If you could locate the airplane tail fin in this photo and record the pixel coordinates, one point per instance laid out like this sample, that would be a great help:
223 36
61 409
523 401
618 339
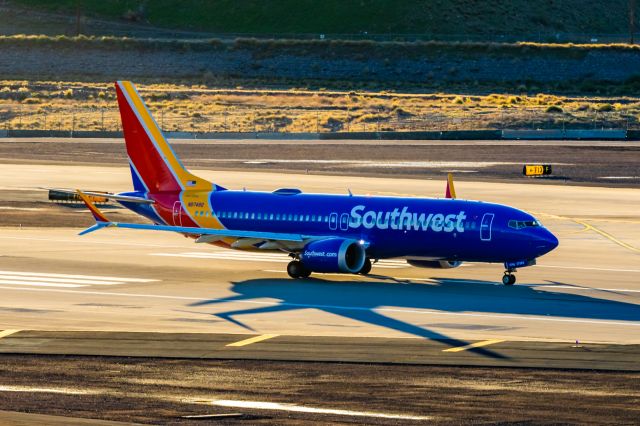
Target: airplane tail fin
154 165
450 192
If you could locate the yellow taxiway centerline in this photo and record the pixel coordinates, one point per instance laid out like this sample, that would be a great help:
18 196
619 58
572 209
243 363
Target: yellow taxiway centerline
6 333
607 235
253 340
473 345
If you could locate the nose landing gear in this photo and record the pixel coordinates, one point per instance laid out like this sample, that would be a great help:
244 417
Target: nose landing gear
508 278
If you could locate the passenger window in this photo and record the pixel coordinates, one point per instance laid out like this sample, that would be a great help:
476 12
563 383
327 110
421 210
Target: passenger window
295 217
306 218
253 215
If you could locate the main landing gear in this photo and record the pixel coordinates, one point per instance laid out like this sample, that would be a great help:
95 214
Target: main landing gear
366 268
508 278
296 269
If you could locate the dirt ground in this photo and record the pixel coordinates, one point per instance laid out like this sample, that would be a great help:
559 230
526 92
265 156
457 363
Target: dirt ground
161 391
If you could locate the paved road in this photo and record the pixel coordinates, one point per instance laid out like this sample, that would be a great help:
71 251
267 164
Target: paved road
605 163
492 352
117 280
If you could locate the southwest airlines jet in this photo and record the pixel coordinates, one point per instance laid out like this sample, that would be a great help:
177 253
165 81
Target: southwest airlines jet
321 232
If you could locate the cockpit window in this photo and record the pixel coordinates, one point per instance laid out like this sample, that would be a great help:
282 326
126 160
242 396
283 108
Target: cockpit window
520 224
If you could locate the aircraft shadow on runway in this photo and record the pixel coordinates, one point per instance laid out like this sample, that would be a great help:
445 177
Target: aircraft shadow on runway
364 300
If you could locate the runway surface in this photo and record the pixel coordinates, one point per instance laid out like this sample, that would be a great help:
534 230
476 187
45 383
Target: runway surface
135 281
604 163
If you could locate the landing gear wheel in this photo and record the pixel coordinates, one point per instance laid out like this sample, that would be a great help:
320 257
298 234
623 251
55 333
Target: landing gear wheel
305 272
296 269
366 268
508 279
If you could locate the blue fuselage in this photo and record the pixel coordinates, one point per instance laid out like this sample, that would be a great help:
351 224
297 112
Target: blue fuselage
438 229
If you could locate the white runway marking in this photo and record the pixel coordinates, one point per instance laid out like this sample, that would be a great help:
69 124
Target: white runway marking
39 284
89 277
39 279
25 277
584 268
90 240
377 164
338 307
66 391
263 257
261 405
431 280
23 209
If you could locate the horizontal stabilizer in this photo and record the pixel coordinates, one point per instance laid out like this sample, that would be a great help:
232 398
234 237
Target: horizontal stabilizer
108 195
96 227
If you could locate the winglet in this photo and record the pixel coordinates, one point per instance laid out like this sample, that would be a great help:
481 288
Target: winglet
97 214
451 190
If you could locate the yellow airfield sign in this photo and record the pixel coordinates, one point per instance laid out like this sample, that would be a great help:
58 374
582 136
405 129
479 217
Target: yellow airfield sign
536 169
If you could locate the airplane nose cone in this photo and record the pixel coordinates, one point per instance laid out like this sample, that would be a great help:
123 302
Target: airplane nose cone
547 242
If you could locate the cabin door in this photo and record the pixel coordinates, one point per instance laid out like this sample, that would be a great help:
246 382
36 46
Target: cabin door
333 221
485 226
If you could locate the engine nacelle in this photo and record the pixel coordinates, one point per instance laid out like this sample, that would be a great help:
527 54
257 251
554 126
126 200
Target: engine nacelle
434 264
333 255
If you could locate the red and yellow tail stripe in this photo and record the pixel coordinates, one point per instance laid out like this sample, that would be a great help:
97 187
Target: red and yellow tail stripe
155 163
148 149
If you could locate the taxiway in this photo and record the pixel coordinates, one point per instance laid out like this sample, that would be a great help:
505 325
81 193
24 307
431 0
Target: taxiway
134 281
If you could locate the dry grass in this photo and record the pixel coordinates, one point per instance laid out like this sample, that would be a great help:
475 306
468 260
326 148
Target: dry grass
159 391
92 106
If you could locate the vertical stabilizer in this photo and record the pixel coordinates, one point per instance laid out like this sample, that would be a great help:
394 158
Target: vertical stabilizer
154 165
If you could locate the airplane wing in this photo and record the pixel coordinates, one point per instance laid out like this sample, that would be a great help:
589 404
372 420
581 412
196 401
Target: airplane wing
255 237
126 198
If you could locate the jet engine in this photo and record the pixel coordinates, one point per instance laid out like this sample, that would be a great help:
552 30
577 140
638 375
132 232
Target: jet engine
434 264
333 255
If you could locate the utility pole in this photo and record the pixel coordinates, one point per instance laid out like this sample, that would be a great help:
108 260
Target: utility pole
77 17
632 20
